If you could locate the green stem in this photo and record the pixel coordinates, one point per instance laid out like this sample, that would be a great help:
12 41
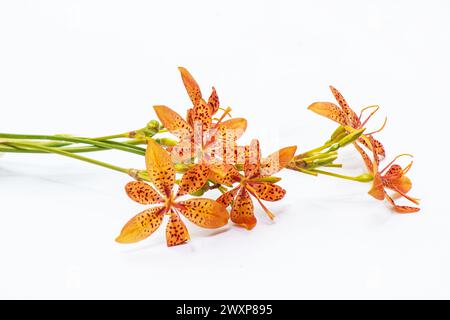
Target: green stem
313 151
105 145
71 150
113 136
365 177
71 155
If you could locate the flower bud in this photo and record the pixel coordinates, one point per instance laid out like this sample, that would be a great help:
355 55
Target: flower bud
151 129
351 137
167 142
365 177
337 134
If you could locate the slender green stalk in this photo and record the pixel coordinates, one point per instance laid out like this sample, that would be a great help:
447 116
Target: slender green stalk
113 136
71 155
365 177
105 145
25 150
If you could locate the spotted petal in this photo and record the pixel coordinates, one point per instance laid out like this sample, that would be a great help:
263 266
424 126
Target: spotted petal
183 152
375 146
191 86
142 193
202 114
252 162
142 225
160 168
231 130
203 212
213 101
379 148
193 179
401 209
223 173
268 191
173 122
176 231
228 197
242 211
394 172
352 118
277 161
330 111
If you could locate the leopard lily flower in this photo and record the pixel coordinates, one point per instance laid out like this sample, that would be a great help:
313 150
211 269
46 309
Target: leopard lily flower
202 139
345 116
393 177
203 212
253 183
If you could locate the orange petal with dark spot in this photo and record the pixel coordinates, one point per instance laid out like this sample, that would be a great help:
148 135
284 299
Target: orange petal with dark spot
231 130
213 101
204 212
202 114
228 197
142 225
242 211
379 149
406 209
193 179
394 172
352 118
192 88
183 152
176 231
142 193
159 167
330 111
252 161
268 191
277 161
401 209
173 122
223 173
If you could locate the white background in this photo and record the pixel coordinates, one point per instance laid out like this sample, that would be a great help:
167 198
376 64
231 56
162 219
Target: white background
97 67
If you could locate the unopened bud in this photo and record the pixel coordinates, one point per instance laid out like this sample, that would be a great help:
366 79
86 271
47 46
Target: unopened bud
365 177
337 133
167 142
351 137
323 161
151 129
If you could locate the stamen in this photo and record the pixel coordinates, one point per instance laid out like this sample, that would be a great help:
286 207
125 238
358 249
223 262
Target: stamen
226 112
392 162
253 193
382 127
370 115
414 200
407 167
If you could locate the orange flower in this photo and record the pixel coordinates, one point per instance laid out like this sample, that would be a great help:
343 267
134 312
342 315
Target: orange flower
206 213
345 116
200 138
202 111
253 183
395 180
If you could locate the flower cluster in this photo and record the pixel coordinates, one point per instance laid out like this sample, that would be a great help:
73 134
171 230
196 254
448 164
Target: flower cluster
394 179
208 156
203 153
